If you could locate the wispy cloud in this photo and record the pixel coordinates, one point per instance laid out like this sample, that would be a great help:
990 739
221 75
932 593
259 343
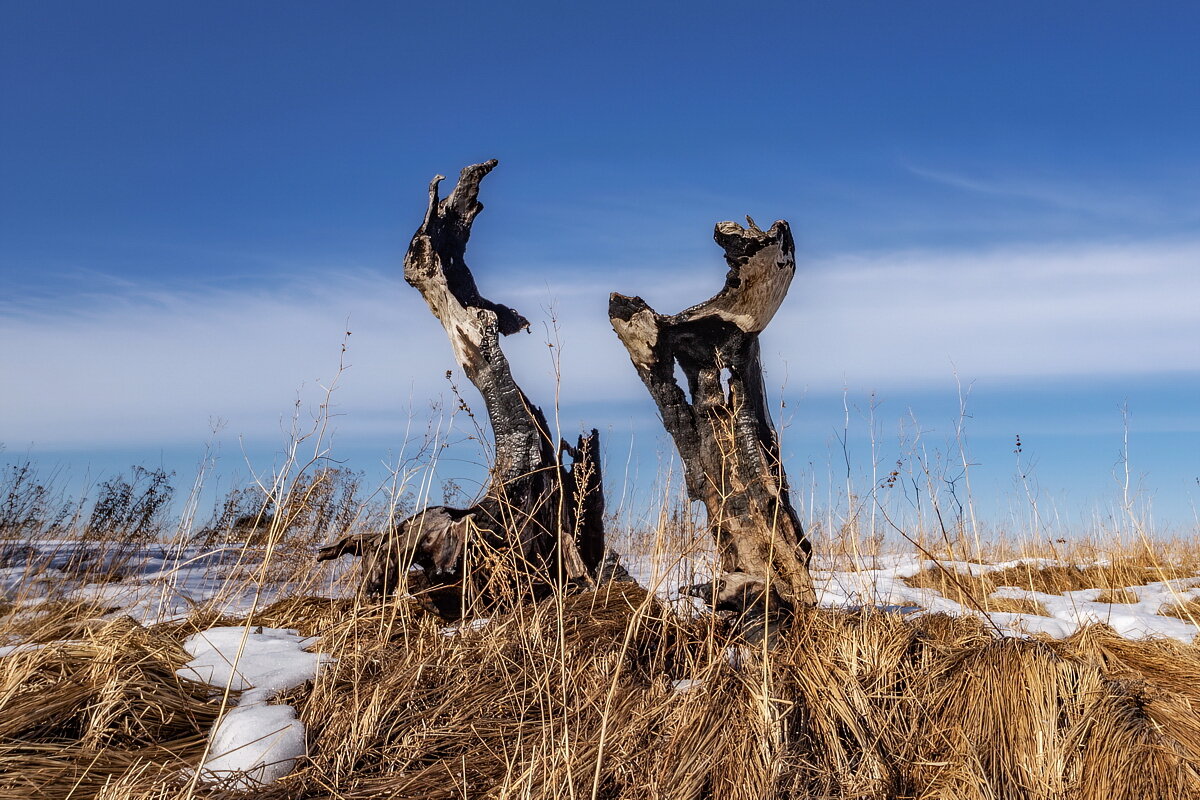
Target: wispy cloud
151 365
1103 200
903 319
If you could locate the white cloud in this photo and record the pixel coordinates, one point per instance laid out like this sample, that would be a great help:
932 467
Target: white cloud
157 365
154 365
904 319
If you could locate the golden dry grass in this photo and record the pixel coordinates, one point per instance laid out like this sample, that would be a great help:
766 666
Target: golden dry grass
580 696
1117 596
1112 579
1189 610
77 715
574 698
1014 605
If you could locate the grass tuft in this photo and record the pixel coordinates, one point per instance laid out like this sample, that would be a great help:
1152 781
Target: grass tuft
1113 580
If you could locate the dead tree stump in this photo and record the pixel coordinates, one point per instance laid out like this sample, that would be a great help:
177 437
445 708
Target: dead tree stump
721 425
541 522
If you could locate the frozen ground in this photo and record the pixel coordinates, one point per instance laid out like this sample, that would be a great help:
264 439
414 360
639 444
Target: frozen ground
883 586
165 584
878 581
155 584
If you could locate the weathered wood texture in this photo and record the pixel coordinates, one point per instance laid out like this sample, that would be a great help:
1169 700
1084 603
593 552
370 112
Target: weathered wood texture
721 424
541 521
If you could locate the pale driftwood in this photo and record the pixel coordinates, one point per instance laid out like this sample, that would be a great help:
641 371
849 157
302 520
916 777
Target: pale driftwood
541 522
721 424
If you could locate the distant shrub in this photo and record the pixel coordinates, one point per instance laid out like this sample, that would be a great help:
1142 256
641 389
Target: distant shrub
29 506
132 509
239 516
317 506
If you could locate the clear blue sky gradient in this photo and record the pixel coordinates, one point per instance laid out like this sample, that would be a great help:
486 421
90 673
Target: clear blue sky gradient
161 157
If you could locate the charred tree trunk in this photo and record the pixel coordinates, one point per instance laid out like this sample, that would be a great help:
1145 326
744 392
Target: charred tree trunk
721 424
540 522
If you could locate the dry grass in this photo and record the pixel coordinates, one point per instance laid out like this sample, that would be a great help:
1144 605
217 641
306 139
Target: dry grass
1112 579
1188 610
577 697
76 716
1014 605
574 698
1117 596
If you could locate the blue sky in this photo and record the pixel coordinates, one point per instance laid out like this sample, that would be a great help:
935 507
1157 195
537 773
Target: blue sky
195 198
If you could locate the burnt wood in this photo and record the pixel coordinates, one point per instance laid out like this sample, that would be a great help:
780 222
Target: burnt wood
721 424
541 521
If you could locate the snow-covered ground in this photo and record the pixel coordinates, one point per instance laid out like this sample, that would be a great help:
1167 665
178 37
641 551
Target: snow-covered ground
883 586
879 581
157 583
164 584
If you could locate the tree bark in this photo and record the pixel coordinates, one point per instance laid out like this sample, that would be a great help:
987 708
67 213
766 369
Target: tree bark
541 522
721 425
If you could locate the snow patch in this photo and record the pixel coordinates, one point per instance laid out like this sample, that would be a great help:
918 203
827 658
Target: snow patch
878 581
153 583
477 624
1140 620
1069 612
255 742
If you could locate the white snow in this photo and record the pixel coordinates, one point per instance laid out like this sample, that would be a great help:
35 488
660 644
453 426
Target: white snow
169 587
668 577
476 624
878 582
884 587
255 742
156 583
271 659
1140 620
